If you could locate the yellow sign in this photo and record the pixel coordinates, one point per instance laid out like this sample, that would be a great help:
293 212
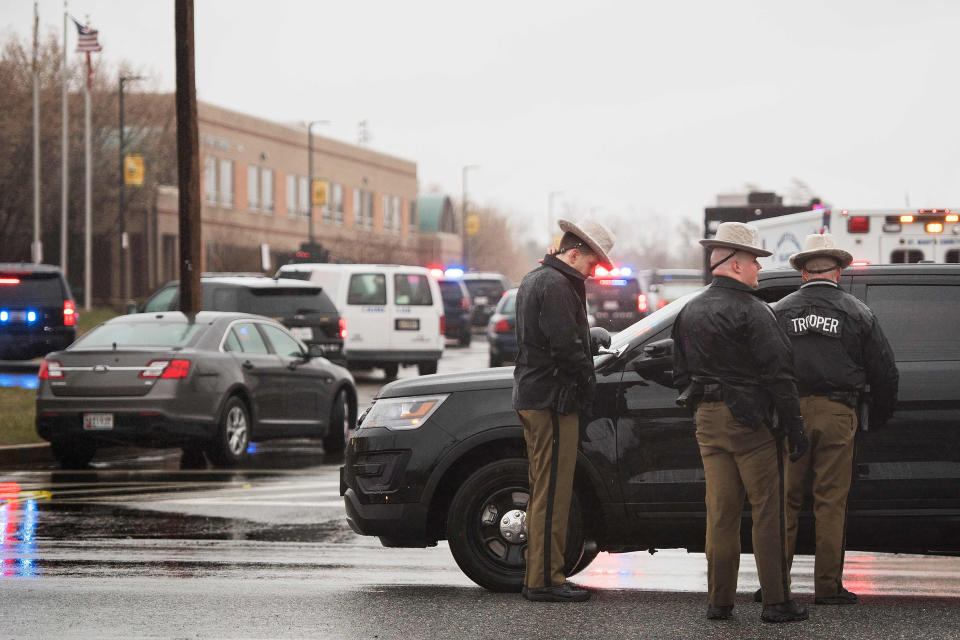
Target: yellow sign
133 170
473 224
319 193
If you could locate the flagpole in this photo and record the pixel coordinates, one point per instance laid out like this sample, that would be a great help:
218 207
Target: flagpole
64 162
88 197
37 249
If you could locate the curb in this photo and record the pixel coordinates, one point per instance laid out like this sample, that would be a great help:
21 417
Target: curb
20 453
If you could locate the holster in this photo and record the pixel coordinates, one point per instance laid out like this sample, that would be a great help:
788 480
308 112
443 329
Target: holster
567 400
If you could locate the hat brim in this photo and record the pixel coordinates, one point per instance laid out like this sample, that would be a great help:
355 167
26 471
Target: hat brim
797 260
710 243
571 227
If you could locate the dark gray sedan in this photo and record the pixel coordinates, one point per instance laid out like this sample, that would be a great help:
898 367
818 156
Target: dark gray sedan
210 384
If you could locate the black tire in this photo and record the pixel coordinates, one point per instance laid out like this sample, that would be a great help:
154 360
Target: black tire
229 447
341 421
427 367
73 454
473 526
391 369
466 335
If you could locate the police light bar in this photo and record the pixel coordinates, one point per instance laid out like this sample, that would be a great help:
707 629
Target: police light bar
933 211
436 273
614 283
453 272
9 280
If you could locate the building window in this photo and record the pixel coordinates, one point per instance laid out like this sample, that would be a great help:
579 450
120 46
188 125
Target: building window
327 206
387 212
397 217
266 189
336 202
210 179
303 196
413 216
253 187
291 195
226 183
357 216
367 208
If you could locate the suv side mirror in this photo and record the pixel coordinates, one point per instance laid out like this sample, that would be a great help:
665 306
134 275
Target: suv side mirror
132 307
655 357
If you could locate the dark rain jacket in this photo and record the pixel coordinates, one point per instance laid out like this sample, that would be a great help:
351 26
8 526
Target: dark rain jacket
838 345
727 335
553 336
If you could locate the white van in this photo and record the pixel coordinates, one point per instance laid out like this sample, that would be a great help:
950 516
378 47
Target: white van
393 313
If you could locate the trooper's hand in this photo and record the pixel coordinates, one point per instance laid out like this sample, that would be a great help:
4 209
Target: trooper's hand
797 438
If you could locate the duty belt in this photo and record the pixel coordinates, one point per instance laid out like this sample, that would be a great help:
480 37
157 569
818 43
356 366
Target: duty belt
848 398
712 392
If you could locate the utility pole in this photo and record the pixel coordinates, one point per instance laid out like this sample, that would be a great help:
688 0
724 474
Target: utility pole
188 160
463 215
124 239
37 248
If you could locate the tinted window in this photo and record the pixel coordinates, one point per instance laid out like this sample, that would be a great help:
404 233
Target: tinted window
367 288
285 302
231 343
249 338
223 298
411 289
915 336
901 256
491 289
295 275
140 334
283 343
450 291
163 301
27 289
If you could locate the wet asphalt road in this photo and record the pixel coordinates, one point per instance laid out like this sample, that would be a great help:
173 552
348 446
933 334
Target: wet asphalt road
137 547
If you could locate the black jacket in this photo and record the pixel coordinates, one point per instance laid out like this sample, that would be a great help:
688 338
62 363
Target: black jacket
838 346
553 336
727 335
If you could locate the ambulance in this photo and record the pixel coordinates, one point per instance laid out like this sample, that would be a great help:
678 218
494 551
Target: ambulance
873 236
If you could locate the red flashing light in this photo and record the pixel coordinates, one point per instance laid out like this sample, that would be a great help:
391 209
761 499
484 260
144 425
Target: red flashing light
436 273
599 272
50 369
933 211
860 263
9 280
343 328
502 326
69 313
858 224
642 304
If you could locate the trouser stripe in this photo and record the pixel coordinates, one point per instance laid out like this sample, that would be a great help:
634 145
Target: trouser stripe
784 565
551 491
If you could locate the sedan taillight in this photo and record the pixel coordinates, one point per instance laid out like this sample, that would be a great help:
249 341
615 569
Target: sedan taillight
502 326
343 328
166 369
50 369
69 314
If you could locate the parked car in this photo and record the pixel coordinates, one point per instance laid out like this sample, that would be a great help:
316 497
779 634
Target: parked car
666 285
502 330
616 298
394 312
486 288
212 383
37 311
442 457
304 308
457 309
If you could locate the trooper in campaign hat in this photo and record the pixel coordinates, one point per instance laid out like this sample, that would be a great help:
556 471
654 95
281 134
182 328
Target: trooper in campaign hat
839 351
734 365
553 384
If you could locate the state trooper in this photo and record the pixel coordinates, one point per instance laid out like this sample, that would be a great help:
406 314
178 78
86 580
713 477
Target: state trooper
733 360
553 380
839 350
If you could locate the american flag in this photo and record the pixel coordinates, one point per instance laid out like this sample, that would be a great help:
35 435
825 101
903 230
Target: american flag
87 38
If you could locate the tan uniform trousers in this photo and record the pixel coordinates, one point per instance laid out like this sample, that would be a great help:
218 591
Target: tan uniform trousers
831 427
552 450
741 462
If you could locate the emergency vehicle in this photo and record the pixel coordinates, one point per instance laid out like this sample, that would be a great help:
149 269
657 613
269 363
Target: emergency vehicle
873 236
616 298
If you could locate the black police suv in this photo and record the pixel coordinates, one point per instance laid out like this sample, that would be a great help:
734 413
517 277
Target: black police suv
37 311
302 307
442 456
457 310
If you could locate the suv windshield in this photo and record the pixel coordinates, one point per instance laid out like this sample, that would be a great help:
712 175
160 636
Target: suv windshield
30 289
171 335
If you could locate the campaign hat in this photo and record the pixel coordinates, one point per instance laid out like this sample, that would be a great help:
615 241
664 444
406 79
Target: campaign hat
737 235
820 245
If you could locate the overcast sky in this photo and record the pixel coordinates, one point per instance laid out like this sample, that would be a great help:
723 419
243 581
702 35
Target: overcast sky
633 107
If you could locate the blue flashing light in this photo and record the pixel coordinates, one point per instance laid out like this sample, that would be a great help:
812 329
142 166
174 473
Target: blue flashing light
31 317
453 272
614 283
626 271
252 447
4 315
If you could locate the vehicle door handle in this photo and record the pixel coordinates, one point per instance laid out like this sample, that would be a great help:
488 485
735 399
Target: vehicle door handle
247 364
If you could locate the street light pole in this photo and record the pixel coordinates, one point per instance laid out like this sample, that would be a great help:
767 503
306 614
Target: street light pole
310 175
124 243
463 215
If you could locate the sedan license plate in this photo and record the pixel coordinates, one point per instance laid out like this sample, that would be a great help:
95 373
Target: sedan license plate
408 324
302 333
611 304
97 421
480 300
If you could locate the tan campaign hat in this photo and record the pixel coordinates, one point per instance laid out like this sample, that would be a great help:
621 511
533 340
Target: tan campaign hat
594 234
820 245
737 235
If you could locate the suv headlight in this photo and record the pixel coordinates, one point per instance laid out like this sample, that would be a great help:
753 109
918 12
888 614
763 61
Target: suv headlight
398 414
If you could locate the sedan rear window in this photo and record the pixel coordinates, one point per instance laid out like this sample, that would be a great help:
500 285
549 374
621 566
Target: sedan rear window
170 335
30 289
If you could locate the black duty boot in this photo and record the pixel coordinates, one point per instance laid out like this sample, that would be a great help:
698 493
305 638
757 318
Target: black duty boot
565 592
719 612
758 595
788 611
843 597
